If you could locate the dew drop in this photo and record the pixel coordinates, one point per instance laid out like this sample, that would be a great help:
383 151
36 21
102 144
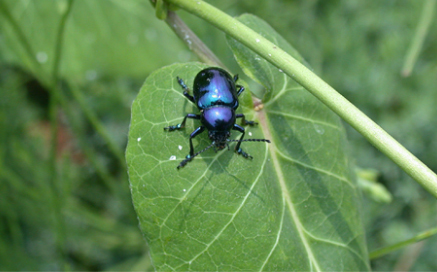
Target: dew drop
41 57
257 40
180 147
319 129
173 157
250 133
139 139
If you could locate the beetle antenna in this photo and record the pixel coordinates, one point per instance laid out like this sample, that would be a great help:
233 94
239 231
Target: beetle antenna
189 158
249 140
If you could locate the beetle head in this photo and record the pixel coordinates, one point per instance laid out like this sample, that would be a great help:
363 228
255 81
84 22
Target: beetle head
219 138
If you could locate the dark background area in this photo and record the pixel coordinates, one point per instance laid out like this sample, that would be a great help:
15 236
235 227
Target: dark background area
66 203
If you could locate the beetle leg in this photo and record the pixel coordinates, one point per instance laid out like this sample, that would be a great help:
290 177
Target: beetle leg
237 147
181 125
244 121
193 134
240 89
186 90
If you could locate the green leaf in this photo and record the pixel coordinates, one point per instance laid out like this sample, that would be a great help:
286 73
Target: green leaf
293 207
310 160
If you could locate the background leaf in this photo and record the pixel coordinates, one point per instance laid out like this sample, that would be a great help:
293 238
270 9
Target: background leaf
294 207
102 38
110 47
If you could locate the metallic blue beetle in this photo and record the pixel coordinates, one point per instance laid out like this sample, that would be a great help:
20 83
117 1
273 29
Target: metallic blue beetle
216 96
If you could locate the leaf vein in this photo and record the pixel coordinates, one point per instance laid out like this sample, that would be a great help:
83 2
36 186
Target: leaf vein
315 168
236 212
303 119
277 237
337 244
286 195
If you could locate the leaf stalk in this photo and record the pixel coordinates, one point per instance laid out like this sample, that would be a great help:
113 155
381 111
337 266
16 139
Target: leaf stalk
385 250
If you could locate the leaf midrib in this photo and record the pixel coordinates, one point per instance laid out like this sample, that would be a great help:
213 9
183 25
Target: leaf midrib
285 192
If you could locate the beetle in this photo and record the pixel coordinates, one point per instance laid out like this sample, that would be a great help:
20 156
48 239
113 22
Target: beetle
215 93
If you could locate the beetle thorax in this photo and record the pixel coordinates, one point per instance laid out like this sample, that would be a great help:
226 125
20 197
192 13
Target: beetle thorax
218 118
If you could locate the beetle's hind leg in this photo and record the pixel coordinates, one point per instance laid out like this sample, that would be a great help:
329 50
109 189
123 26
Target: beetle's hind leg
186 89
245 122
181 125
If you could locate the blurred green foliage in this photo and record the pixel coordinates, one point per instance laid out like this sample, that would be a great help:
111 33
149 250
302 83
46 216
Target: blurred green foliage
110 47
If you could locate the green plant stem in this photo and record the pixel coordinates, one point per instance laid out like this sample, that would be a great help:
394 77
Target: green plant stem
385 250
30 59
191 40
336 102
419 36
98 126
51 86
111 183
55 182
59 40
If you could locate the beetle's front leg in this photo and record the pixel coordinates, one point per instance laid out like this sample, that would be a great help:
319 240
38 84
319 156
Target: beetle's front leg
181 125
240 88
186 89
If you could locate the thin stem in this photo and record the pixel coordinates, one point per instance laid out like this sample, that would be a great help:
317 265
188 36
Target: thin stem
52 87
33 64
419 36
59 40
192 41
320 89
89 153
55 183
92 117
409 257
385 250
